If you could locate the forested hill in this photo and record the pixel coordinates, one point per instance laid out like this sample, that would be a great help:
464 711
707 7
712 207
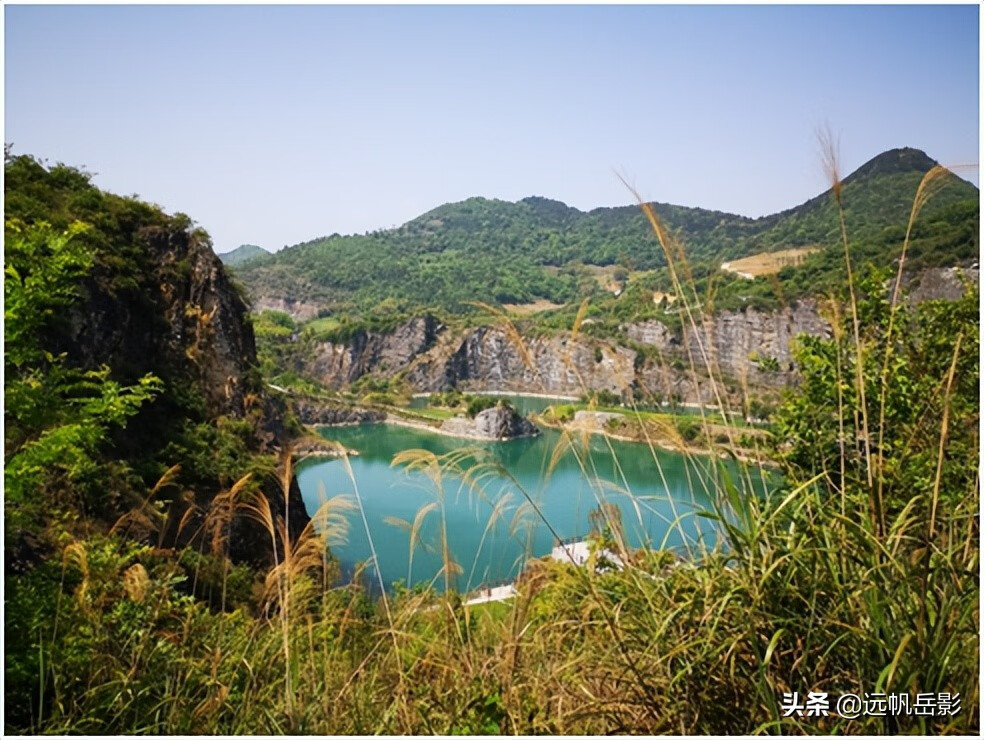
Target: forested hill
242 254
501 252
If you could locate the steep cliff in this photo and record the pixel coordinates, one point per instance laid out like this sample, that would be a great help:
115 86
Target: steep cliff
311 412
942 282
756 344
486 358
155 299
747 349
374 352
184 321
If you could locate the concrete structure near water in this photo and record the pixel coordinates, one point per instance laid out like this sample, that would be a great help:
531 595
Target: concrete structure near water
576 552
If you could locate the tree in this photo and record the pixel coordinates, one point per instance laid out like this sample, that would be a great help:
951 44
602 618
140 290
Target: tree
56 418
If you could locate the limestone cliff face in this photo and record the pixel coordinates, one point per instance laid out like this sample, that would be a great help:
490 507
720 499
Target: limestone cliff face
185 323
371 352
654 333
738 343
742 343
741 348
486 358
947 283
183 320
750 348
671 378
309 412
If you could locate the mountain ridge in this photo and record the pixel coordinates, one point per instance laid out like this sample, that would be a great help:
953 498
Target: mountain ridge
504 252
888 161
242 254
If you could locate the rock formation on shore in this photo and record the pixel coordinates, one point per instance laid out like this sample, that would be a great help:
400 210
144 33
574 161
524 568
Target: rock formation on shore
498 422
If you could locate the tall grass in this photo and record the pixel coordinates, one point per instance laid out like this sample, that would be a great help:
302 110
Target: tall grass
859 573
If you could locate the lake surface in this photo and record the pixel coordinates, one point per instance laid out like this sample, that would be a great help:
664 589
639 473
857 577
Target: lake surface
492 547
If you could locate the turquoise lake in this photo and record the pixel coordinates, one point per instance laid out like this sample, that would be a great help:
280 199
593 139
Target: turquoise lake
665 488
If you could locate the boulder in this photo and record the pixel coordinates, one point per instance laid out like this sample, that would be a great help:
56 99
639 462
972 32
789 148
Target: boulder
499 422
502 422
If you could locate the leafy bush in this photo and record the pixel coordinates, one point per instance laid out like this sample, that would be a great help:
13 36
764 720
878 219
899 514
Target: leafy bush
689 427
477 404
603 397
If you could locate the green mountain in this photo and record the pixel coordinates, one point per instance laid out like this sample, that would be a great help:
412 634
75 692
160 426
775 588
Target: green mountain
242 254
501 252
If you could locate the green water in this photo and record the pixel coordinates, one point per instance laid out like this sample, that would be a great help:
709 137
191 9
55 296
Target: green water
493 549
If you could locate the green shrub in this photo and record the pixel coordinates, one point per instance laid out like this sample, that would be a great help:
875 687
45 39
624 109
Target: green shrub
477 404
688 427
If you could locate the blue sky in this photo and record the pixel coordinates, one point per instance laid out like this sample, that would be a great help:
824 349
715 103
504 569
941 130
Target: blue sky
274 125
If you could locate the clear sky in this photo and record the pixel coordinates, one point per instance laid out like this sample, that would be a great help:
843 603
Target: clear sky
275 125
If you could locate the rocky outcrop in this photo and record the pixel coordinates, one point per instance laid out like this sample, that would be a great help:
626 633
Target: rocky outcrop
498 422
310 412
299 310
666 379
374 352
177 314
653 333
753 344
757 345
486 358
741 348
947 283
181 318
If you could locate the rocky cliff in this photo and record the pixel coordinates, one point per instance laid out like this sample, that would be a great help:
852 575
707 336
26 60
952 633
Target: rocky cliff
311 412
374 352
487 359
942 282
754 344
154 299
188 324
742 349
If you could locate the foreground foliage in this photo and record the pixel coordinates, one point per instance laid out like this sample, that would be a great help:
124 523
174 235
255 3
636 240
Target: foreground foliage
818 588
